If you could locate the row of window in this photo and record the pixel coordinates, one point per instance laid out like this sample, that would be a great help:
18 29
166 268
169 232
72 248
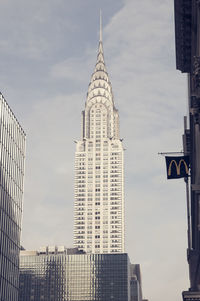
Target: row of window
8 291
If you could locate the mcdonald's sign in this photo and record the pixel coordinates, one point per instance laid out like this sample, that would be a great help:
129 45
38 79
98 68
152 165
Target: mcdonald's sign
177 167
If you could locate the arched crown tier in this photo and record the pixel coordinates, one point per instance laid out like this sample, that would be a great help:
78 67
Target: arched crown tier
100 97
100 84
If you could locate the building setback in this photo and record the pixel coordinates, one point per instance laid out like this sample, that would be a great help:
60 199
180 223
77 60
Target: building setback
99 170
57 273
12 157
135 283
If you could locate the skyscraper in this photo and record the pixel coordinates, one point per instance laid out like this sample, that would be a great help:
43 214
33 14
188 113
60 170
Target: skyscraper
12 156
99 169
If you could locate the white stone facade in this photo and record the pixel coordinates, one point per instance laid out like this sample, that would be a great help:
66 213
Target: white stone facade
99 170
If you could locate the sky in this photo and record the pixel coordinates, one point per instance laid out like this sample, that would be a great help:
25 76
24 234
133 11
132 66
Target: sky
48 52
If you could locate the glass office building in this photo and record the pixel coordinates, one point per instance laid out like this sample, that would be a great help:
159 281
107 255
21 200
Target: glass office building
99 170
12 157
55 274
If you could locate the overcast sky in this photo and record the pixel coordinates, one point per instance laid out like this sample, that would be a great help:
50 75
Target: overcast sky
48 52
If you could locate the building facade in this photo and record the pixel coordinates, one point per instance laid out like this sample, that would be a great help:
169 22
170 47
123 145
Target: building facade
99 170
62 275
187 34
12 158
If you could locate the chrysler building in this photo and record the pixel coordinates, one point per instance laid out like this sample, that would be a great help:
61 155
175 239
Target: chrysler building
99 169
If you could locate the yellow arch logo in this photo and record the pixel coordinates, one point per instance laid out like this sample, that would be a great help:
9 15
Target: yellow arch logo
178 167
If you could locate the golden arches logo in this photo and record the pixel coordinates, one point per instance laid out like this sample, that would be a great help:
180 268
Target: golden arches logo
178 167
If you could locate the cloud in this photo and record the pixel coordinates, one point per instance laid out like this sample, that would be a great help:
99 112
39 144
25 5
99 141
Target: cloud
49 170
67 69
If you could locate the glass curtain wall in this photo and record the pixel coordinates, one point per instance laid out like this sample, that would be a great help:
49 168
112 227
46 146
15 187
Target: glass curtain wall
12 157
81 277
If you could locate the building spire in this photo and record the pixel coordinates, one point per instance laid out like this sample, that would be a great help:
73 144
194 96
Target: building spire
100 31
100 83
100 50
